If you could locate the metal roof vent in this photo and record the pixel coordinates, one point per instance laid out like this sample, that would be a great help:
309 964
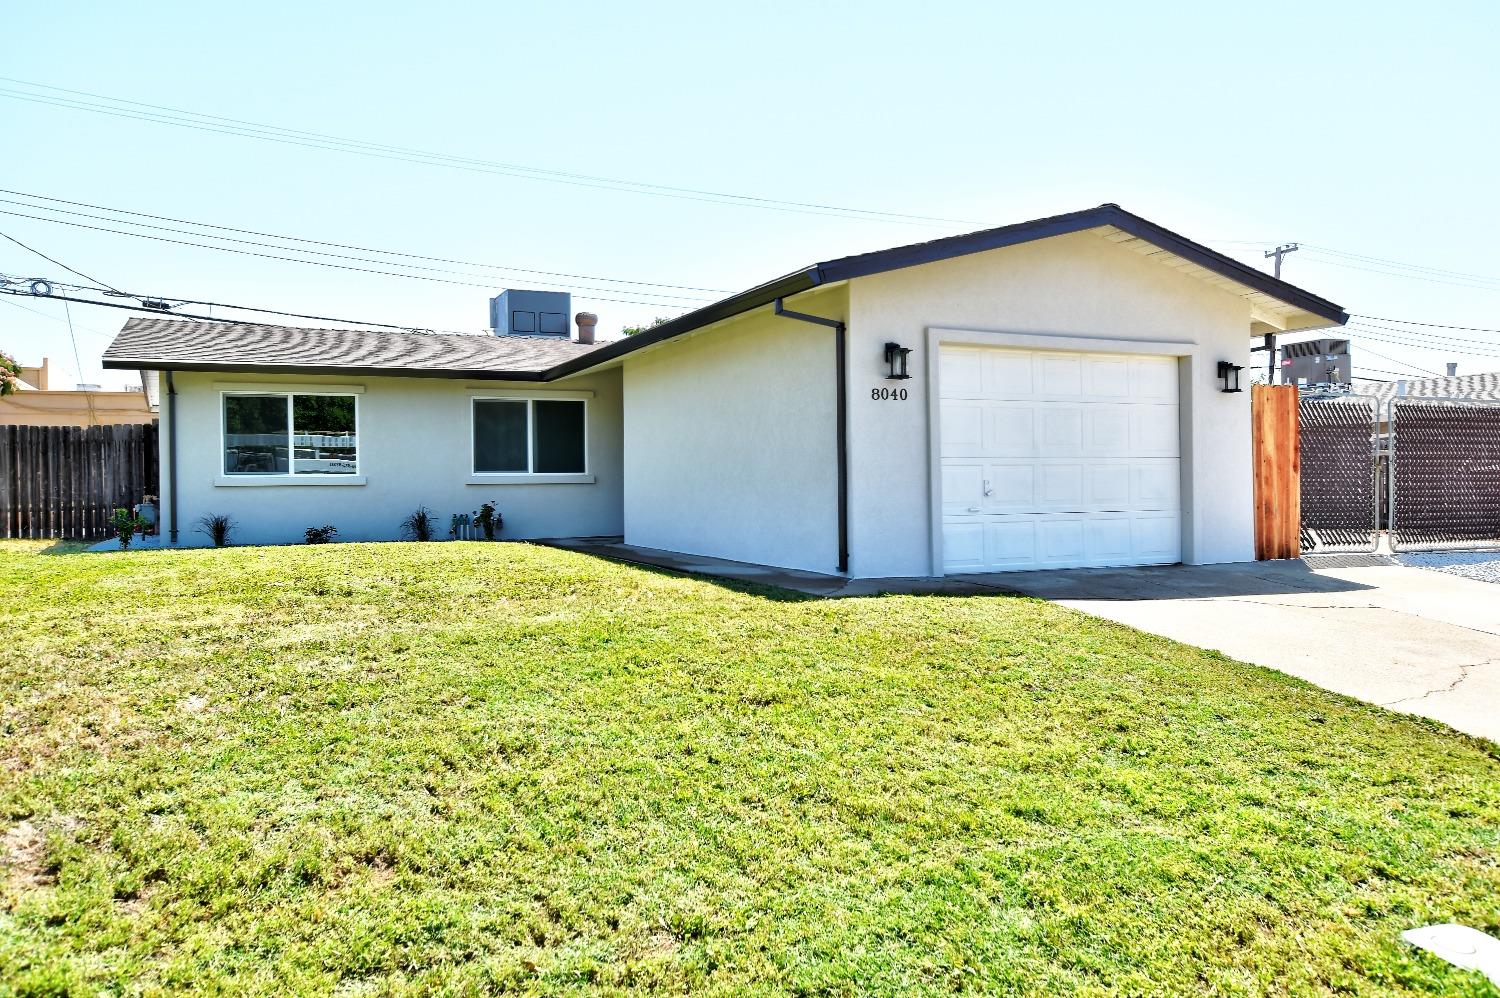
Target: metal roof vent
514 312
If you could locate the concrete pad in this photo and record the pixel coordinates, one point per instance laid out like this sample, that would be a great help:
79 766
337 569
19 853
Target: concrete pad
1412 640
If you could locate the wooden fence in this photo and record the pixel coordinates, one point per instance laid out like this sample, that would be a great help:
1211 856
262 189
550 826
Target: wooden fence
65 481
1278 469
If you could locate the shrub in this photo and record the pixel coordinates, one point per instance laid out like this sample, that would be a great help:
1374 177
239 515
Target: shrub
320 535
217 526
127 524
418 526
489 520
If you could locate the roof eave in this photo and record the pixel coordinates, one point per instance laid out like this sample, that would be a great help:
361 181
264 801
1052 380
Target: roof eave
209 367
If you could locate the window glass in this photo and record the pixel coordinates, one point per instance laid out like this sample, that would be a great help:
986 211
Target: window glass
323 434
559 437
255 435
500 435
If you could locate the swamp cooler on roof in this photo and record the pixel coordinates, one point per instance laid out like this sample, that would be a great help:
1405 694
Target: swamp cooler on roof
515 312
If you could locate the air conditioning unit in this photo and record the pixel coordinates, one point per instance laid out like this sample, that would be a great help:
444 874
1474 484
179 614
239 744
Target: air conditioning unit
515 312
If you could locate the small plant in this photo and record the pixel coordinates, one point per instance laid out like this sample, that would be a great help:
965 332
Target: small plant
218 527
489 520
320 535
418 526
10 375
127 524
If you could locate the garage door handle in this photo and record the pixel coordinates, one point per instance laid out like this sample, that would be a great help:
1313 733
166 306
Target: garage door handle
974 509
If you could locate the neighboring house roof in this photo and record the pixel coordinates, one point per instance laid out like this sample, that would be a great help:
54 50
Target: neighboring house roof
1475 386
177 345
185 345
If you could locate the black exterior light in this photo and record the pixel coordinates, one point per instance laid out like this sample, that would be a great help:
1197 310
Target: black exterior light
895 356
1229 376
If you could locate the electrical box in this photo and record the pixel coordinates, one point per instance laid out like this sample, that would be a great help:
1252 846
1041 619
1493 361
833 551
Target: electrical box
515 312
1316 362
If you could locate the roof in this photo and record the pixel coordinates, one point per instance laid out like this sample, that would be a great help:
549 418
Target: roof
178 345
1264 292
186 345
1474 386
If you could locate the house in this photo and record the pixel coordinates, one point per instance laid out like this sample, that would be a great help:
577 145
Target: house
1045 394
1481 387
38 403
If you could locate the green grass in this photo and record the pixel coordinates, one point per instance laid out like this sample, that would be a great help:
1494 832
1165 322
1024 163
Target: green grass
469 768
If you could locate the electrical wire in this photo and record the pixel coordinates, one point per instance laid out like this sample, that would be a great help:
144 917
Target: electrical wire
179 117
44 256
337 256
1396 360
363 249
317 263
1432 325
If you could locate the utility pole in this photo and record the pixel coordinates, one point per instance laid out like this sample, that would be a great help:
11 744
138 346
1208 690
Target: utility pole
1280 252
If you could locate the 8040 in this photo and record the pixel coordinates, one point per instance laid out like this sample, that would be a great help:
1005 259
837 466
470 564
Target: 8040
888 394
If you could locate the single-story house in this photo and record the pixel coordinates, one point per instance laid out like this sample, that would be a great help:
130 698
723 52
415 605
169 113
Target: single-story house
1045 394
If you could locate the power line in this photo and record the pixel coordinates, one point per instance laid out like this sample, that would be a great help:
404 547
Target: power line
315 263
364 249
64 266
53 318
1433 325
1399 263
179 117
1396 360
1413 277
337 256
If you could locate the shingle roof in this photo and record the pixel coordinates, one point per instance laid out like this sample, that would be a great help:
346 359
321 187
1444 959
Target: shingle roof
182 345
1475 386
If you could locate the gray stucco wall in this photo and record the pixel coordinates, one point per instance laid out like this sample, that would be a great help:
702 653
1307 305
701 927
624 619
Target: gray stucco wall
414 449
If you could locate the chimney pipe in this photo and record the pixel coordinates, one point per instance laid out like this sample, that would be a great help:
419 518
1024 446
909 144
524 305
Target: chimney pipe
586 323
1453 369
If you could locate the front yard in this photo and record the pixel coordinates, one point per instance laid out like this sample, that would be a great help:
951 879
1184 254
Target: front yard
467 768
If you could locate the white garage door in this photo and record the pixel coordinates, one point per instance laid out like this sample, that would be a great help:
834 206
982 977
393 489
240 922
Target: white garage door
1058 460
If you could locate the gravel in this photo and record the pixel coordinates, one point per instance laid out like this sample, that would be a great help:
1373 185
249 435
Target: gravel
1481 565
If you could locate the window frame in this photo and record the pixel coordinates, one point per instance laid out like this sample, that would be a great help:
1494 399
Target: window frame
530 475
290 476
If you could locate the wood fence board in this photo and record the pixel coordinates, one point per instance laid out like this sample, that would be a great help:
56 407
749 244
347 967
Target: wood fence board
65 481
1277 472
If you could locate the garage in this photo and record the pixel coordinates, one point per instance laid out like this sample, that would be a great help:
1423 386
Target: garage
1053 459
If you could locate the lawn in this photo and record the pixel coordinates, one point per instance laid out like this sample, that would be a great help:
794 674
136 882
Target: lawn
472 768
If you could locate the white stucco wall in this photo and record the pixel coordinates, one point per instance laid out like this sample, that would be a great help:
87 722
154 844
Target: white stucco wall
1069 292
414 449
730 441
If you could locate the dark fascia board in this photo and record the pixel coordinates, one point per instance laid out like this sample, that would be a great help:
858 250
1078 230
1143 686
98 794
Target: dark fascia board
865 264
132 364
765 294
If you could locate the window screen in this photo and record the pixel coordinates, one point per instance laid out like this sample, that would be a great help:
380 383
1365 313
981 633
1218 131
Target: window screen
559 437
255 434
500 443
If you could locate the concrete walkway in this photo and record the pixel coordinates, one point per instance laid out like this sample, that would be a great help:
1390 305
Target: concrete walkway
1410 639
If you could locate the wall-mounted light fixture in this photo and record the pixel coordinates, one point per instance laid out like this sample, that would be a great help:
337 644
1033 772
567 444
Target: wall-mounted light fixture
895 357
1229 376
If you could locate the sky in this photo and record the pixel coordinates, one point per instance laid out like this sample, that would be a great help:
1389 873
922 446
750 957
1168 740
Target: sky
1362 131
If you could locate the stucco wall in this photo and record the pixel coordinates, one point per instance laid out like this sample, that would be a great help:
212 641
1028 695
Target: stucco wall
1072 288
730 437
414 449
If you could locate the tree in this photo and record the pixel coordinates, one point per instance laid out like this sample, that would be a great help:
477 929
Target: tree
632 330
10 375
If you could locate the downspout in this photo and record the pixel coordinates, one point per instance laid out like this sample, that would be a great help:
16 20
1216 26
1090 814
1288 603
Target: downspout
171 458
841 419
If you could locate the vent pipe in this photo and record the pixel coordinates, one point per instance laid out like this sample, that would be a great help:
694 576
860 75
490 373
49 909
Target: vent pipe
1452 368
586 323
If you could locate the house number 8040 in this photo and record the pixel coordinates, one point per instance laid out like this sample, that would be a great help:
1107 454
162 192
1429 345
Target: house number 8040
888 394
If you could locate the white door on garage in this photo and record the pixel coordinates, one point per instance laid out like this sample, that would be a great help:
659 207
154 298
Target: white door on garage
1058 460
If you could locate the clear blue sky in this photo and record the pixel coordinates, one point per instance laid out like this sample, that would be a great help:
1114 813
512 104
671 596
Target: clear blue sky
1361 128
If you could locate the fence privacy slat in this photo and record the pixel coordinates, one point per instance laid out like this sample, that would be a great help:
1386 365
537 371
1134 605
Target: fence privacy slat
65 481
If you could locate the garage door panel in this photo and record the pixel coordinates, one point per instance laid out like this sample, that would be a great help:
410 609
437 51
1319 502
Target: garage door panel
1154 431
1058 460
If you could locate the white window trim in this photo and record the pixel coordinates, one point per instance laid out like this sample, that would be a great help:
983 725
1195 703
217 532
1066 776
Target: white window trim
290 476
529 477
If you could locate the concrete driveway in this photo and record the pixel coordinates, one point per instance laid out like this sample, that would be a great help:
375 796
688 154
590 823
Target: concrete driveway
1409 639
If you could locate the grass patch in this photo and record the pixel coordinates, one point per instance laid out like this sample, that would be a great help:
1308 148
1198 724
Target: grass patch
472 768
